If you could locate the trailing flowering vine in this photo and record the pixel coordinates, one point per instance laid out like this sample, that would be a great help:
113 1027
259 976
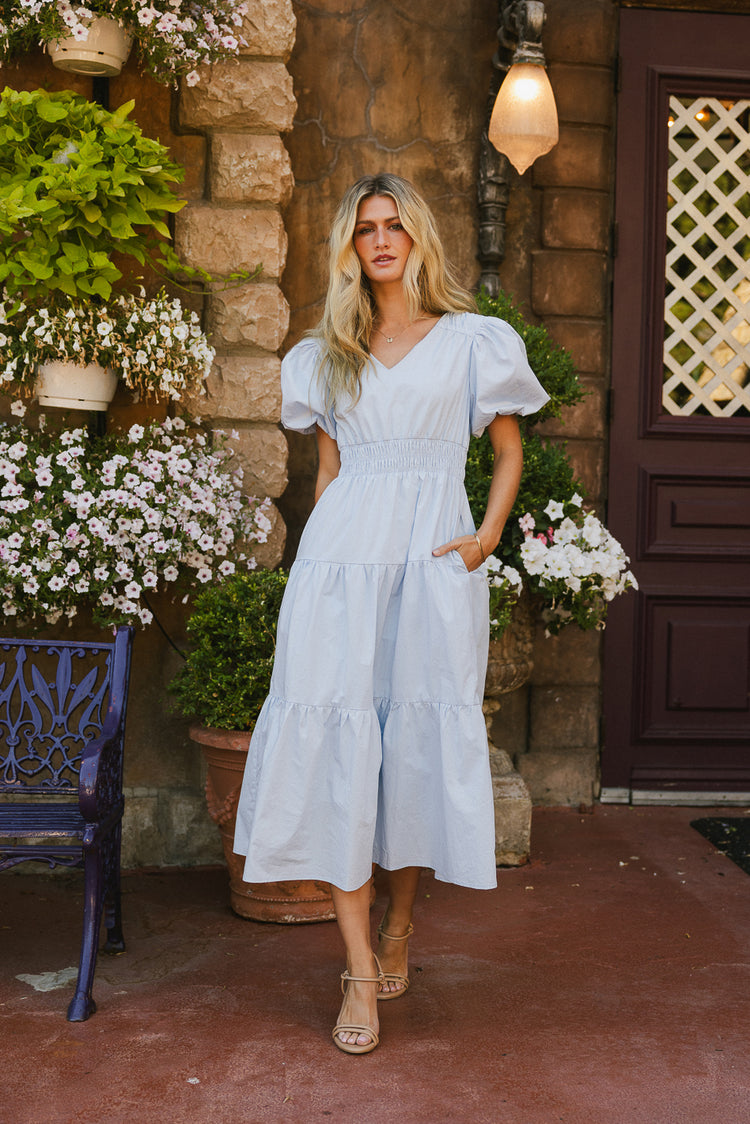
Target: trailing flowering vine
107 521
155 346
174 37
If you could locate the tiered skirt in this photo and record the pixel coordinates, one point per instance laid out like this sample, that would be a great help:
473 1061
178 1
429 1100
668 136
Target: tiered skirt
371 746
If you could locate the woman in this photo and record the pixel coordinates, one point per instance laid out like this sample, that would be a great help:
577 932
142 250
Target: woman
371 747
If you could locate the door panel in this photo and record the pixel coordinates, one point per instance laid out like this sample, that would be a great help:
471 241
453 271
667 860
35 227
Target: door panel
677 654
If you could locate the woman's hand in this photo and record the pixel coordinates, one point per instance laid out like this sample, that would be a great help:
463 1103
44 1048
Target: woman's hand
468 546
506 474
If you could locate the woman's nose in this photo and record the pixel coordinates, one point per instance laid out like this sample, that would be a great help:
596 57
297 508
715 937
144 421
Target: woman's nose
381 237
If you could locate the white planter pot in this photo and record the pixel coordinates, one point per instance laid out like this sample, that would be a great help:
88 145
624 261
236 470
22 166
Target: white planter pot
104 53
75 388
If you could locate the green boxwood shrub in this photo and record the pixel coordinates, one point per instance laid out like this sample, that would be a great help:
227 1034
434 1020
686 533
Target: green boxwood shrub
232 630
547 471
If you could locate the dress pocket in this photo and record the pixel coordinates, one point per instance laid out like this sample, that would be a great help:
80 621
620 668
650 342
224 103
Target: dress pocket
458 561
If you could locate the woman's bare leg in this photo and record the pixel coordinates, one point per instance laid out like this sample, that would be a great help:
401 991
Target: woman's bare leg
360 1007
394 955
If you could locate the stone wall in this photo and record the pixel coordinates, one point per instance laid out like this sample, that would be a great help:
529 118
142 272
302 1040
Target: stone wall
558 262
233 222
402 87
226 132
397 86
241 110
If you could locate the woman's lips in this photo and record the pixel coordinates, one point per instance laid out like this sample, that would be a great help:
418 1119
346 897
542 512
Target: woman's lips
383 259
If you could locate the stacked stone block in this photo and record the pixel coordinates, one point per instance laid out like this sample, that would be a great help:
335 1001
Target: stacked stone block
242 107
233 222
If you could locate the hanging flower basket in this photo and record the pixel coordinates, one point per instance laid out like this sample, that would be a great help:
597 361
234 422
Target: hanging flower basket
63 384
103 53
174 38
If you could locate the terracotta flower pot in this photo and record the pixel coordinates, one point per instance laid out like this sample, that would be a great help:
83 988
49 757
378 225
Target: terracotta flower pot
511 658
225 752
104 53
63 384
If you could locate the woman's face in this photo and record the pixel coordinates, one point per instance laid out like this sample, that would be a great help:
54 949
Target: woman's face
381 243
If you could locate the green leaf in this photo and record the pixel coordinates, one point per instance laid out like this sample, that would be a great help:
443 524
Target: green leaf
101 287
120 227
67 285
36 266
100 260
161 228
73 250
92 212
120 114
51 111
163 202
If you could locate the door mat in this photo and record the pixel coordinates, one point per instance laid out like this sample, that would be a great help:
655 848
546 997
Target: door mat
730 835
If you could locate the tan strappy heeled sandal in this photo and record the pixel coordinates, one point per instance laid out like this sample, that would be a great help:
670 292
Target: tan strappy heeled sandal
394 977
351 1028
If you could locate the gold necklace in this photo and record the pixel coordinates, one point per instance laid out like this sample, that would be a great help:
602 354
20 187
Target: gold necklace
390 339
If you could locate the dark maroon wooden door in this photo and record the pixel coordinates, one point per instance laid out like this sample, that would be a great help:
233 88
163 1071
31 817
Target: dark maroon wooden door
677 653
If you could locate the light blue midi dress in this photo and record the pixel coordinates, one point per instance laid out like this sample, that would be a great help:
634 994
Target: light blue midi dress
371 746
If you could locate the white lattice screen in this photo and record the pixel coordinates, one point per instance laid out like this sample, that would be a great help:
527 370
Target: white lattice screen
707 304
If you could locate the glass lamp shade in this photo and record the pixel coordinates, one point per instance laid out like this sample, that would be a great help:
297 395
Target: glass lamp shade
524 119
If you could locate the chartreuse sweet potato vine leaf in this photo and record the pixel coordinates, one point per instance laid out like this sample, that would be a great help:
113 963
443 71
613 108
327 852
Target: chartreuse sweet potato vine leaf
76 184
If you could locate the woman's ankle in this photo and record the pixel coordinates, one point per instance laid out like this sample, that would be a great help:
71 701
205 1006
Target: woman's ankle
395 924
362 965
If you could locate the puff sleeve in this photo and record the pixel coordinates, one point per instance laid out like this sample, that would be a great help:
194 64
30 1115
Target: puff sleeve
302 404
502 381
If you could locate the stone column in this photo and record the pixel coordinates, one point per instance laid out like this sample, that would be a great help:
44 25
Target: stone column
242 107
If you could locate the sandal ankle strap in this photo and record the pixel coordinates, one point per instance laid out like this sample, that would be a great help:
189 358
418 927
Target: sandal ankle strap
346 978
361 979
405 937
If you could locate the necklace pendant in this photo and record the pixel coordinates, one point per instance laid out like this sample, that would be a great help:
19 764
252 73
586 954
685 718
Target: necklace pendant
390 339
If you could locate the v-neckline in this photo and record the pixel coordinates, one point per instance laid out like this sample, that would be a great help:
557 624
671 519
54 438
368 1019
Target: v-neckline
413 348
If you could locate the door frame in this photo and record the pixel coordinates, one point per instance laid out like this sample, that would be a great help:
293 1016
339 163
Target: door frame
638 284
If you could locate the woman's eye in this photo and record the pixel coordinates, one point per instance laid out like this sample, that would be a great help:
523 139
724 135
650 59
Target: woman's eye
396 226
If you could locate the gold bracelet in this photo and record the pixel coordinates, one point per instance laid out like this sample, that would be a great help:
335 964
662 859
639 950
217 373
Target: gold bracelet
479 544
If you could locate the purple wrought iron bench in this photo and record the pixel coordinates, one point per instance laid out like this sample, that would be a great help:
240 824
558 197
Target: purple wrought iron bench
62 730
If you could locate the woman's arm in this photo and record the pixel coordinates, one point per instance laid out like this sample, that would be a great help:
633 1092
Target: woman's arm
329 461
506 476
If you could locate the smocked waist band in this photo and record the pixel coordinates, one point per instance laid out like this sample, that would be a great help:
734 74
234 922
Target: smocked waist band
413 454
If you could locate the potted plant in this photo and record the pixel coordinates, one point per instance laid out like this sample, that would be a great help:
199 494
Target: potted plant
569 561
76 183
154 346
223 683
553 559
173 37
104 522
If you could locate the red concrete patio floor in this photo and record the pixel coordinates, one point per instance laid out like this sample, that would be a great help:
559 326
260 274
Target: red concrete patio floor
605 983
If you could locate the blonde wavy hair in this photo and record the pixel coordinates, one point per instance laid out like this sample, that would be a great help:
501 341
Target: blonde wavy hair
347 321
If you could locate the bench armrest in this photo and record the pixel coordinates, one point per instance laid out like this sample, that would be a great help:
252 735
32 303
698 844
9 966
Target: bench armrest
100 781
